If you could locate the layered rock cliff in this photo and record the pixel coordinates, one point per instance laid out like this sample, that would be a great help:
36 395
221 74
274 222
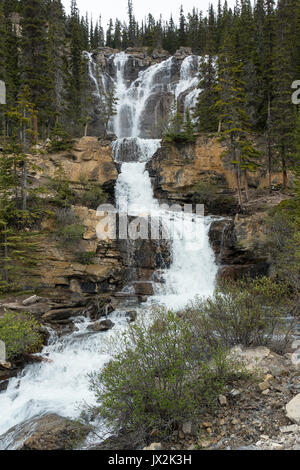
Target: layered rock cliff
112 262
197 173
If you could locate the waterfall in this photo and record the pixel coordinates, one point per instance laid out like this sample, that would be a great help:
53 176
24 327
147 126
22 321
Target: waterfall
187 85
61 384
92 74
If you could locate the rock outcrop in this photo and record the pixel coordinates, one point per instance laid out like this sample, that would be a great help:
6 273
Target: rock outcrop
176 169
198 173
50 432
89 161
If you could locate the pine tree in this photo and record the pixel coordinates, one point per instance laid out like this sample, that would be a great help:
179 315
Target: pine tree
283 111
35 71
233 116
205 109
75 77
181 29
55 52
22 117
297 158
132 26
109 34
188 128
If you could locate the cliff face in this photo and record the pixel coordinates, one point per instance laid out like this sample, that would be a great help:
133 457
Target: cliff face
176 171
185 173
89 161
197 173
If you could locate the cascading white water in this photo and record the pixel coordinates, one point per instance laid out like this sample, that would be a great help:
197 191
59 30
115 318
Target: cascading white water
188 81
91 68
132 100
60 385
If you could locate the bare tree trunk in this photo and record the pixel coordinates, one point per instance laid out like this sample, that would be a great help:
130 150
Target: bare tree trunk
237 170
24 186
220 127
246 185
86 129
269 148
284 171
5 270
35 130
24 179
238 183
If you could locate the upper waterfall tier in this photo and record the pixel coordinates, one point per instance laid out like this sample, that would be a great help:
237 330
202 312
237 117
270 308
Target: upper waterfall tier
145 91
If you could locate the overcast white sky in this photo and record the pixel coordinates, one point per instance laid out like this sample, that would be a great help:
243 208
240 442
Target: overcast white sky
118 8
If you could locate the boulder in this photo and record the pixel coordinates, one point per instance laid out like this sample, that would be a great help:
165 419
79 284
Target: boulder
31 300
188 428
154 446
143 288
49 432
131 316
104 325
293 409
223 400
251 357
61 315
52 432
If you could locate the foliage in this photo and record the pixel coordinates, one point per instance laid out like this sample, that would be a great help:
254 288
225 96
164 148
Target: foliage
248 312
64 195
60 140
85 257
179 130
93 196
205 111
207 193
20 334
108 108
70 229
283 239
163 374
71 234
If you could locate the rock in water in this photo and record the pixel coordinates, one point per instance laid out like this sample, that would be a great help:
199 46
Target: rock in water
50 432
131 316
104 325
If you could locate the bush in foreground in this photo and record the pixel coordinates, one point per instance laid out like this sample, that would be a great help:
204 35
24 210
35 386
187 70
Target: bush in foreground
250 312
20 334
163 374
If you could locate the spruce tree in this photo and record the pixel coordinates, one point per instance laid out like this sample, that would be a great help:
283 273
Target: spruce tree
240 153
205 110
35 71
283 110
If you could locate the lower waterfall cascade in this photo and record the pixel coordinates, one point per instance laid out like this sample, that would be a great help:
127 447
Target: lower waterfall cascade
61 384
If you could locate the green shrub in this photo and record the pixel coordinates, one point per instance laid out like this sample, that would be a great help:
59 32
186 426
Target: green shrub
20 334
283 242
93 197
64 195
206 192
249 312
71 234
162 374
60 140
85 257
70 229
65 216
